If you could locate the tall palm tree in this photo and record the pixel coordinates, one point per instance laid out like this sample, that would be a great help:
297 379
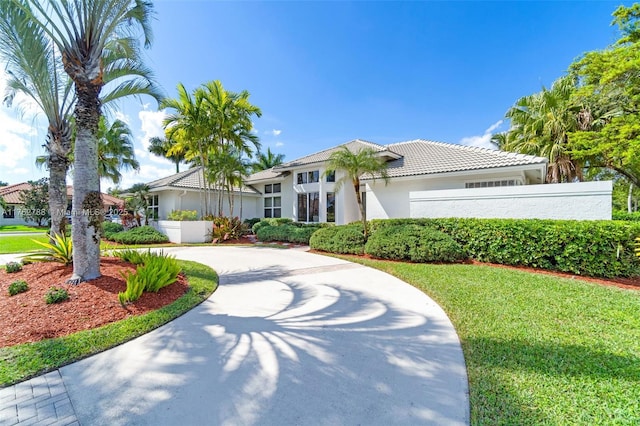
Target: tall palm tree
115 150
162 146
228 170
188 126
35 70
354 165
266 160
86 32
541 124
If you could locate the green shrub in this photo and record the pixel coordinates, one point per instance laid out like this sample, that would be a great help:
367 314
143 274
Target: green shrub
132 256
157 271
12 267
271 221
598 248
250 222
140 235
183 215
226 228
347 239
111 228
19 286
415 243
56 295
297 233
60 250
622 215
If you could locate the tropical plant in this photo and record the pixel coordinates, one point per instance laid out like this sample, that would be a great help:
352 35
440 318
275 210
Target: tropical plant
162 146
115 150
354 166
183 215
266 160
156 271
58 249
541 124
13 267
211 123
56 295
139 202
226 228
91 36
18 286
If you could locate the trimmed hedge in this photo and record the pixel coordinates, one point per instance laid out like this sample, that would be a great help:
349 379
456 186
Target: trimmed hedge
592 248
346 239
111 228
622 215
292 233
140 235
415 243
273 221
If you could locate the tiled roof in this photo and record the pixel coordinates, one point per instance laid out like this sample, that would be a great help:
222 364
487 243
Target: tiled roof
11 194
322 156
189 179
422 157
265 175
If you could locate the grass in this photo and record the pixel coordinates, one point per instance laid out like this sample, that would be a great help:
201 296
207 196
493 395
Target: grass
539 349
21 243
20 362
22 228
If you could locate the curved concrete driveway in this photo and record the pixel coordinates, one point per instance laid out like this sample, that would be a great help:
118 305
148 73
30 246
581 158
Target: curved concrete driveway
289 338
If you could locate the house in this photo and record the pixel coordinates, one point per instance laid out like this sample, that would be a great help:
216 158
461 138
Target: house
11 195
427 179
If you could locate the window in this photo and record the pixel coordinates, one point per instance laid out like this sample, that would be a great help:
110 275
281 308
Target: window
9 213
309 207
272 204
152 207
308 177
491 184
331 207
273 207
331 177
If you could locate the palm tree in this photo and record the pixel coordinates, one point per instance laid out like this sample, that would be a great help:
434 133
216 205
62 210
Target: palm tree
188 127
540 125
227 169
35 70
162 146
86 32
354 165
115 150
266 160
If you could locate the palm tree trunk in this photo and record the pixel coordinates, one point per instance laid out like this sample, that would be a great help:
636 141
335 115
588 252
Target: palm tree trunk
87 204
363 213
59 147
629 198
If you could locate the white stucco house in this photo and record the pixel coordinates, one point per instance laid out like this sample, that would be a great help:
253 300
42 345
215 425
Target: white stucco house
427 179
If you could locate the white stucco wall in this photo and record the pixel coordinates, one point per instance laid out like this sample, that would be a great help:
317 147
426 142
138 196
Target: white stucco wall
582 201
170 200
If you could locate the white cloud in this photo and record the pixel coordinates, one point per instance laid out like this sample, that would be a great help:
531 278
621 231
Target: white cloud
123 117
279 144
151 125
274 132
15 135
20 171
483 141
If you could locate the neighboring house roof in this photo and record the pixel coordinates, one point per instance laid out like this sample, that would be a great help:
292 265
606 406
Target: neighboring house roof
11 194
189 179
323 156
423 157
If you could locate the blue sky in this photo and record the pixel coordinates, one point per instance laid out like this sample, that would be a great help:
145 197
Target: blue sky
324 73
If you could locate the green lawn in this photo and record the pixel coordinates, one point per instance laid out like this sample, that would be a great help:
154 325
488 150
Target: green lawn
20 362
539 349
21 243
21 228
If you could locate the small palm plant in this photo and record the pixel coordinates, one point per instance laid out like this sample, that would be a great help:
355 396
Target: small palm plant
59 249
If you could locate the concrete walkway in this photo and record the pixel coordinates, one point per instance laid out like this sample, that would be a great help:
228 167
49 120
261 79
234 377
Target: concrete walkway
289 338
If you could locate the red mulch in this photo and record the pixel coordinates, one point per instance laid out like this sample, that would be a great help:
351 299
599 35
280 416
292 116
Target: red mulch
26 317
